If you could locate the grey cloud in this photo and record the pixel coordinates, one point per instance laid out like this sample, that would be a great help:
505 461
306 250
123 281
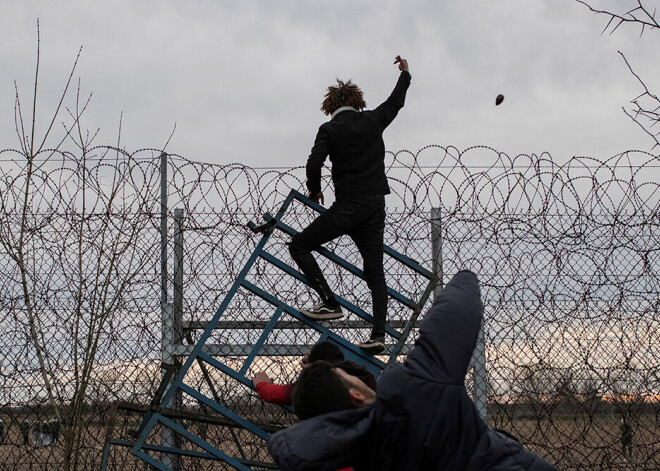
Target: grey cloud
244 80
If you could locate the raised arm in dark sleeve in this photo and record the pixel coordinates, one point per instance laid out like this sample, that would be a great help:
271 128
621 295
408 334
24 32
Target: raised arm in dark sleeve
448 333
387 111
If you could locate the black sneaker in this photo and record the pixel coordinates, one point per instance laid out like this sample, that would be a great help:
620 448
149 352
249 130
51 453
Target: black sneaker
322 311
374 345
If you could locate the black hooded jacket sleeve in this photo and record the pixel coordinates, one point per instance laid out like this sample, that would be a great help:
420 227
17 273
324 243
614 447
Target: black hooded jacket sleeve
448 333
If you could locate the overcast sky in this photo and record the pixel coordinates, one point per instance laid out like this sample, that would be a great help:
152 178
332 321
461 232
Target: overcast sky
244 80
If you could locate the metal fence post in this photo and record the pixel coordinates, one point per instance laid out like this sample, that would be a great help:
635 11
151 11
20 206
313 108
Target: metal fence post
168 438
177 327
163 229
436 249
478 361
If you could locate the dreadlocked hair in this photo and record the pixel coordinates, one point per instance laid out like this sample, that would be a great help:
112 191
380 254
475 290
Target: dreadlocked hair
342 94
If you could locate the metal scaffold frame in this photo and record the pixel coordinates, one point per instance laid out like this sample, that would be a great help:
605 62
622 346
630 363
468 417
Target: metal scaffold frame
173 385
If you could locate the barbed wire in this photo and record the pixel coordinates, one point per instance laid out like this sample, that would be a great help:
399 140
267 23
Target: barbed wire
567 255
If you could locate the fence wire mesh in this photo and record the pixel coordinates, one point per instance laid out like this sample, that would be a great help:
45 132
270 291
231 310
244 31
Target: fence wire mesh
567 256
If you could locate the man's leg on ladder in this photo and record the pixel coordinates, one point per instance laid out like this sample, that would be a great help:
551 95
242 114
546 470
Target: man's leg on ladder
323 229
369 239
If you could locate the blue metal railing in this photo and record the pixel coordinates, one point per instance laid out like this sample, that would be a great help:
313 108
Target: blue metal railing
154 418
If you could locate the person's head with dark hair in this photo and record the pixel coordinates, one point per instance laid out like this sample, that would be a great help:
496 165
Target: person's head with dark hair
322 351
327 351
342 94
324 387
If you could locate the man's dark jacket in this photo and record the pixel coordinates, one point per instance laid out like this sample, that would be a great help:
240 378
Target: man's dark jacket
423 418
354 142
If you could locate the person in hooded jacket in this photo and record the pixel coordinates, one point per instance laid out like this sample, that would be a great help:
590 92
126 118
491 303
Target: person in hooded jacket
421 418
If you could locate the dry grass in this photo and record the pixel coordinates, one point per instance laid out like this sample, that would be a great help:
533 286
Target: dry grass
571 441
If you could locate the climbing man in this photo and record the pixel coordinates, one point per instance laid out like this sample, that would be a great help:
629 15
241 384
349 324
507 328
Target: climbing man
353 139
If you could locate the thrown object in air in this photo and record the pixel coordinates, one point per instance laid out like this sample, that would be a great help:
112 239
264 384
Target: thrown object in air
499 99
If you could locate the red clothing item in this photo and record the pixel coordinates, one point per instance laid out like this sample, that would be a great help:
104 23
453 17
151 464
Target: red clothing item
275 393
279 394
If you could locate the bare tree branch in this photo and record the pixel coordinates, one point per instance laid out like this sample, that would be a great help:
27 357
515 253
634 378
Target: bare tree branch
19 255
59 105
34 98
18 121
169 138
645 105
639 15
645 112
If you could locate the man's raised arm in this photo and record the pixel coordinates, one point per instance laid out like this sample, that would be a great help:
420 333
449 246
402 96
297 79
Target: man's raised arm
387 111
449 330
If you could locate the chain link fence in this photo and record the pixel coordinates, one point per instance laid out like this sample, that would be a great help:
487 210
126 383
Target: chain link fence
567 256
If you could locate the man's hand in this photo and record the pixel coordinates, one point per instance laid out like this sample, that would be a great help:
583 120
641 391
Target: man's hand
304 361
403 64
316 197
260 377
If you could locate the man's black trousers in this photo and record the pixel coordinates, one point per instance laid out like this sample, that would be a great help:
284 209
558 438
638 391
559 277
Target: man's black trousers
362 218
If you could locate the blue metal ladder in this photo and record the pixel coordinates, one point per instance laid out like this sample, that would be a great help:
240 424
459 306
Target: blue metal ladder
156 416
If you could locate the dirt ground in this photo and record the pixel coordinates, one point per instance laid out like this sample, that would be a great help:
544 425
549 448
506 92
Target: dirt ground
570 442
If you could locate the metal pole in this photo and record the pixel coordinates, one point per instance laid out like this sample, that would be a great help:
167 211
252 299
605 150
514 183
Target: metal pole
175 334
478 360
479 375
167 437
163 229
178 278
436 248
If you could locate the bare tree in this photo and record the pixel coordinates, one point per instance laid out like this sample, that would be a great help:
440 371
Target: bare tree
72 231
645 110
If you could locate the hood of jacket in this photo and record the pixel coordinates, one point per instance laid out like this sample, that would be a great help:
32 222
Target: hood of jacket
327 442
